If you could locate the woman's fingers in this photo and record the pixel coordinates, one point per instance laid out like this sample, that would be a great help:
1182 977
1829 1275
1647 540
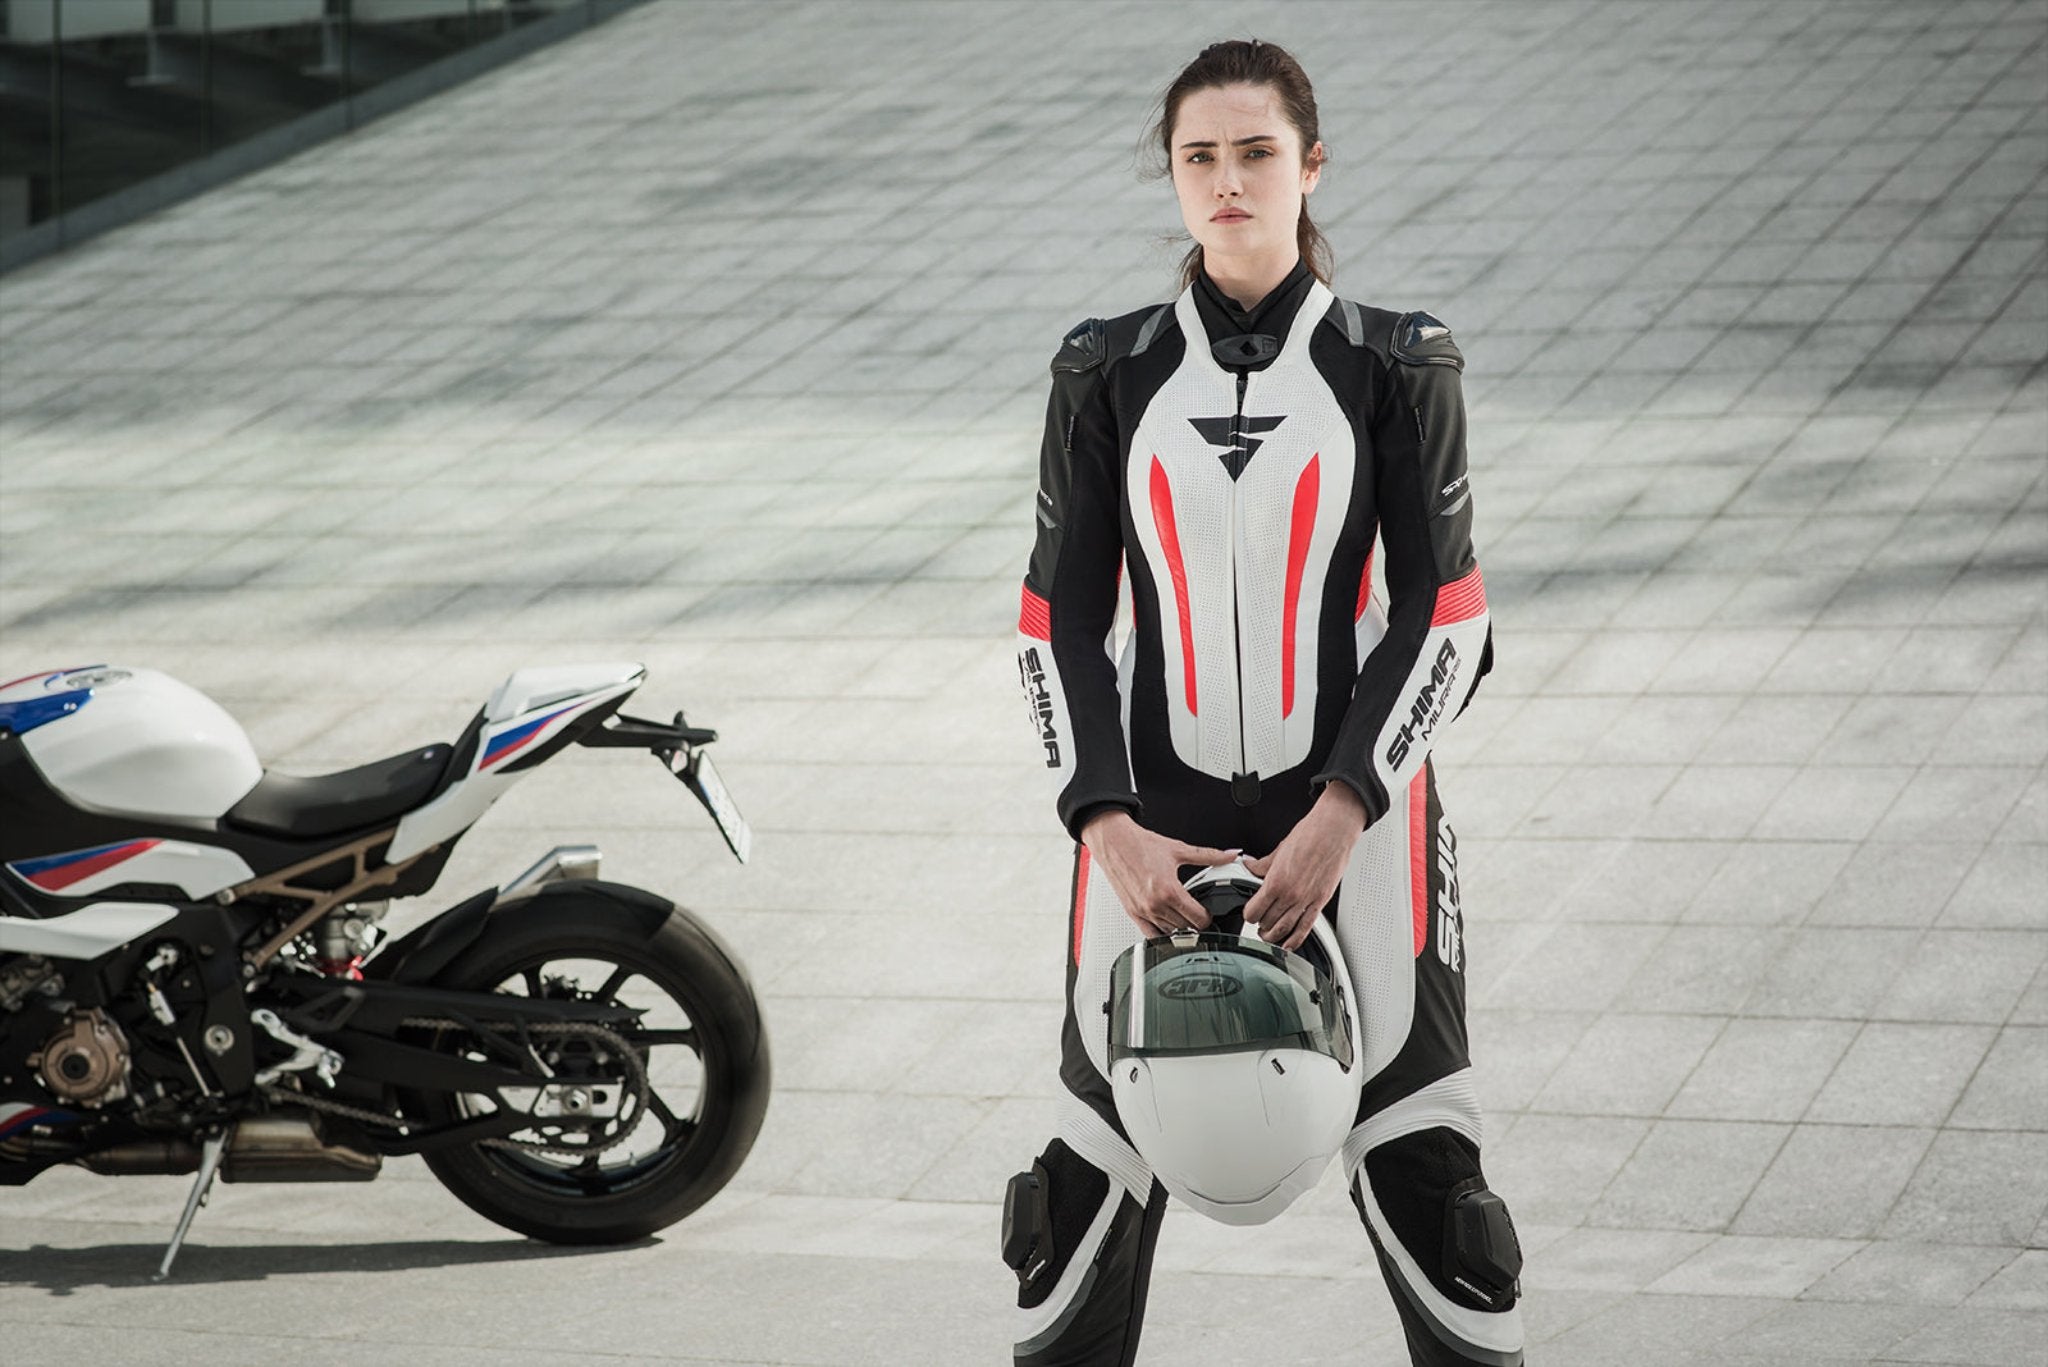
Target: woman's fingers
1289 928
1203 854
1273 929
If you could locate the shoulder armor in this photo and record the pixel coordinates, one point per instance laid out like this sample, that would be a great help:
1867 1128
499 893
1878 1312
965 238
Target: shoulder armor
1420 339
1095 342
1083 348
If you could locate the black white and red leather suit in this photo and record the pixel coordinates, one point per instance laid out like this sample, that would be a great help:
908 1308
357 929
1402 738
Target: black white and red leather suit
1240 468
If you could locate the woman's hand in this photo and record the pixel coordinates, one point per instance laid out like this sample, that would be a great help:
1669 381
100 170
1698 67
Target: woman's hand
1302 875
1144 869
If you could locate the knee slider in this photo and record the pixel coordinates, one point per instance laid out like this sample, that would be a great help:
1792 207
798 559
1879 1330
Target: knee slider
1046 1211
1482 1256
1435 1199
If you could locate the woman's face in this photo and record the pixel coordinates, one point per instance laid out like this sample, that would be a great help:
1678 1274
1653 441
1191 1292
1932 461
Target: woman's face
1240 173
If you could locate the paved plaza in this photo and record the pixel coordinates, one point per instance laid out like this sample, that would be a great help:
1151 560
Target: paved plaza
716 338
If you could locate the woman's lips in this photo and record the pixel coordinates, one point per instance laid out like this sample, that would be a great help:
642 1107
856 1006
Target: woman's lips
1229 216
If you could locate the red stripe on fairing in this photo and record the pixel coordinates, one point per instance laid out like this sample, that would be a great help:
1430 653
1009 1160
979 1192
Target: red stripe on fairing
1080 917
1460 602
23 1119
1301 525
1169 540
1418 855
1364 589
1034 617
57 879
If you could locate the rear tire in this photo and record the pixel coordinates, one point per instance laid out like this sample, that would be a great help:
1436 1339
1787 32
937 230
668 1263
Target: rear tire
651 941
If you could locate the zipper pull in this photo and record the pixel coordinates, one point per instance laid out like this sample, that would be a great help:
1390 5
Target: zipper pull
1244 789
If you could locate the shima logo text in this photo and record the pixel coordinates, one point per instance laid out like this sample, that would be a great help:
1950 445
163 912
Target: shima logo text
1032 674
1428 706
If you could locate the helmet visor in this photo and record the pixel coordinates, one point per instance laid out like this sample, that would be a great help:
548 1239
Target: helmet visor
1211 993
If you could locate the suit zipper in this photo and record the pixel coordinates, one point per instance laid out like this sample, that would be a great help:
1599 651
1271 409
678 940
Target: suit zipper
1244 785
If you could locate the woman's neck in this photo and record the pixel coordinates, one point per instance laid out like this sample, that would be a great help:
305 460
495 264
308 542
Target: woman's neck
1247 280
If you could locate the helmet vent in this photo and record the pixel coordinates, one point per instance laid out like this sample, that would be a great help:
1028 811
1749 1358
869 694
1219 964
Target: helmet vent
1276 1066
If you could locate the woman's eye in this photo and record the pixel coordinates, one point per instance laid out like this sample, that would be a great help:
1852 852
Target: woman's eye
1258 152
1195 157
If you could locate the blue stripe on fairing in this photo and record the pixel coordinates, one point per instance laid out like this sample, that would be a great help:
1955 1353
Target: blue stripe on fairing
28 868
504 740
35 1116
30 713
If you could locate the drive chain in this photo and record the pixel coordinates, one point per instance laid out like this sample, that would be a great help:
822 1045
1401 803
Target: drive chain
619 1045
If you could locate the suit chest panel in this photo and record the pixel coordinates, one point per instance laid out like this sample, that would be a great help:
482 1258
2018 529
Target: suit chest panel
1238 509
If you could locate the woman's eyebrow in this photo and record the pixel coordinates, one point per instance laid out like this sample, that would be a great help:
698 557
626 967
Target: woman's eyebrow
1238 142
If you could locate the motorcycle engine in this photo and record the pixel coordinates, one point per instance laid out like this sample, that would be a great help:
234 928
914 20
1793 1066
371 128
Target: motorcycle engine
25 977
86 1062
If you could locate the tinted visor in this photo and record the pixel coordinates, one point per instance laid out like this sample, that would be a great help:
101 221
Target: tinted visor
1216 994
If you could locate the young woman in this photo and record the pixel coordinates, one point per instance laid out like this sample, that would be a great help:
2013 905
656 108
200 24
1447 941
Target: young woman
1238 451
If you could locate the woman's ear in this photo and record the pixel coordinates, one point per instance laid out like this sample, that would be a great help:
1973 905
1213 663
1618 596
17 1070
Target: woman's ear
1312 168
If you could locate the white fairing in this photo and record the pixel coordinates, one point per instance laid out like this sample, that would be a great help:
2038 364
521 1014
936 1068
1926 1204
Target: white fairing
142 744
195 870
528 710
83 934
530 690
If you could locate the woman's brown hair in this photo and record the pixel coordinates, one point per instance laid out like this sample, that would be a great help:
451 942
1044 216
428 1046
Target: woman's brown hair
1251 62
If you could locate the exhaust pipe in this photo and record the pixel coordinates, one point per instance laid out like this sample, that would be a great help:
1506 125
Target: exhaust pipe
261 1149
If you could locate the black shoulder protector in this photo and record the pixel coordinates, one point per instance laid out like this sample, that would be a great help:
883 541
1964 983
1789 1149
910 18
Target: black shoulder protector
1420 339
1083 348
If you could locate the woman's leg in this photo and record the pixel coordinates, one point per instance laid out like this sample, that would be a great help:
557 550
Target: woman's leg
1080 1225
1445 1242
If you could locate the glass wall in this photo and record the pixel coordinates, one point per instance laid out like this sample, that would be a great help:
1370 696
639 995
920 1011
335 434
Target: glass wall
97 95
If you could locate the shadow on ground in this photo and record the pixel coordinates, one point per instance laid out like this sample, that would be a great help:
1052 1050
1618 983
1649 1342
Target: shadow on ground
61 1271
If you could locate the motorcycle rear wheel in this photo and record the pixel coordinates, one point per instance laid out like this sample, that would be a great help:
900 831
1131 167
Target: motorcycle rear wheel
708 1076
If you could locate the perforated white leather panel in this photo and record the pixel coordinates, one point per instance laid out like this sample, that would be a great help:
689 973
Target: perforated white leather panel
1233 538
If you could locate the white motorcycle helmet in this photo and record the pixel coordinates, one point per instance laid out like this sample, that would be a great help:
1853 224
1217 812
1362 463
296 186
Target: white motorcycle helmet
1234 1063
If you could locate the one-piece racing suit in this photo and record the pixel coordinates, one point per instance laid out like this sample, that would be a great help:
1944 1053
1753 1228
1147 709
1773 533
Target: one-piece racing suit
1240 466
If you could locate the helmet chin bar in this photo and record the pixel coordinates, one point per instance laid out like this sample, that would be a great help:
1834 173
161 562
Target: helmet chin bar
1234 1063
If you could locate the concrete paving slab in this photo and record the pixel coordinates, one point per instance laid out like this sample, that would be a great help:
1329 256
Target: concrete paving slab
1900 1272
1978 1188
1834 1181
1813 1331
1743 1266
1689 1174
1902 1074
2006 1338
1763 1070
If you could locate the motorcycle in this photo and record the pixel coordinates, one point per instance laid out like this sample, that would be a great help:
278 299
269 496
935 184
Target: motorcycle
194 977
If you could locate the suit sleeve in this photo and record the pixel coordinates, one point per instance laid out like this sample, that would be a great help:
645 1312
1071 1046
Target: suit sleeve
1068 612
1439 639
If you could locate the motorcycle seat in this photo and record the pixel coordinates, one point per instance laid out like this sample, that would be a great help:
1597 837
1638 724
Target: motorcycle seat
328 804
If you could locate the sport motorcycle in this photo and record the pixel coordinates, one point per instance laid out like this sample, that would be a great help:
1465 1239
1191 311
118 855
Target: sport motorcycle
195 977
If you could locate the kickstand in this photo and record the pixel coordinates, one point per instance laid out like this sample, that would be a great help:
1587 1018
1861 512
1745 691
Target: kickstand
209 1165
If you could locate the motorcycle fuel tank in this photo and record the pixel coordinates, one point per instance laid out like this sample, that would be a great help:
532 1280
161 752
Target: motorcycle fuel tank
131 742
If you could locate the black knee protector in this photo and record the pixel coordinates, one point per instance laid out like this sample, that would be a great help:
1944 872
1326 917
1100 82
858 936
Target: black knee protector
1046 1211
1482 1256
1429 1187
